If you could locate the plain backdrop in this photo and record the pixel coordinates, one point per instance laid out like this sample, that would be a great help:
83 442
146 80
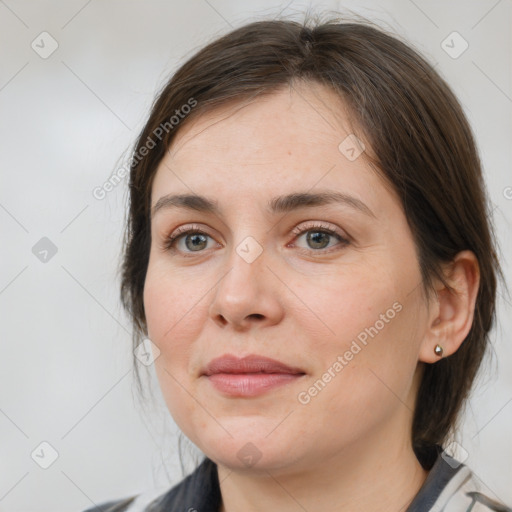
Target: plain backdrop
66 121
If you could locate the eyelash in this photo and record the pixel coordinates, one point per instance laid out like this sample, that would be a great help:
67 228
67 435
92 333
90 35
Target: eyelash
169 242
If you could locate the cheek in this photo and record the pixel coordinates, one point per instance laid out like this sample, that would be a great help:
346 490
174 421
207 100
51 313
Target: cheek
171 305
342 305
173 324
367 331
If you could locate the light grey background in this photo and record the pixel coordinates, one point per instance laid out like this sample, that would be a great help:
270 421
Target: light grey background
65 364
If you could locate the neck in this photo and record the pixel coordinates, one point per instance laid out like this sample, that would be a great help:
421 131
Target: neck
383 474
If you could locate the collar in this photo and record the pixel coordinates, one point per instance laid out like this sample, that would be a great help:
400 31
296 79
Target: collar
200 491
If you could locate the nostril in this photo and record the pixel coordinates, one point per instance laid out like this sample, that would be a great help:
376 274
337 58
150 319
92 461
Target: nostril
222 320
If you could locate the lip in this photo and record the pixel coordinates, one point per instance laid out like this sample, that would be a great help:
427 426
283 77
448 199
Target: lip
248 376
252 363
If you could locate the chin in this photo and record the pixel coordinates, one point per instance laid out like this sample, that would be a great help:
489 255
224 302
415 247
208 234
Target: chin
250 449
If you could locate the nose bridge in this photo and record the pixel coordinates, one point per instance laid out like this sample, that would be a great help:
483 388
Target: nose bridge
244 277
246 253
245 289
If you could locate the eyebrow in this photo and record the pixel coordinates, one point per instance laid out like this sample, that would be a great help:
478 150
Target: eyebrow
279 204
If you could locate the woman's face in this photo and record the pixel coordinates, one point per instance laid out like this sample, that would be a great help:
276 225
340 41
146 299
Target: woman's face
329 286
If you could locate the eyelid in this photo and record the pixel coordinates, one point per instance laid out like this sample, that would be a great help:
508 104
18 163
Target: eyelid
189 227
315 224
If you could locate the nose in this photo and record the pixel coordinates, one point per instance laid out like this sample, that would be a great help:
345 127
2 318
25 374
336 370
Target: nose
247 295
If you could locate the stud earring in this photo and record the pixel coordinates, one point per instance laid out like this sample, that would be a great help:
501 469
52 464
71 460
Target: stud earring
438 350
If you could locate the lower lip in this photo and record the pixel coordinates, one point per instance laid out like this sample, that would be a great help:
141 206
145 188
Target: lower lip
250 384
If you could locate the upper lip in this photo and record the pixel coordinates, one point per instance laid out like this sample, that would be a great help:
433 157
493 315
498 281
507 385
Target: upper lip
253 363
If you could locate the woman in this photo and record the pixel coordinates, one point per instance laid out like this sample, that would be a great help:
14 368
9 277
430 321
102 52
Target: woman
308 250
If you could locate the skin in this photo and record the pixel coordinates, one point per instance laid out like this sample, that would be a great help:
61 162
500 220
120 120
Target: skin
349 447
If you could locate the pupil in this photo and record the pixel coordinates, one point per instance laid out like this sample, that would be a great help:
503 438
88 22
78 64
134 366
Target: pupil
315 237
198 241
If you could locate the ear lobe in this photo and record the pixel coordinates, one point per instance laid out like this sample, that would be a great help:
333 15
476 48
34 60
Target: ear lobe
452 311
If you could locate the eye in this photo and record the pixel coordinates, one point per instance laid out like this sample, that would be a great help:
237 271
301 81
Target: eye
318 237
191 238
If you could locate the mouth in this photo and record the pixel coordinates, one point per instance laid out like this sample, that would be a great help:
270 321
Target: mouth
249 376
249 364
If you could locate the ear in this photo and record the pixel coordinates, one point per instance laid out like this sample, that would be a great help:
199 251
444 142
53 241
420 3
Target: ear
451 312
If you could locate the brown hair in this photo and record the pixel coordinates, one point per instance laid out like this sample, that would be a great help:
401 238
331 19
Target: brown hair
423 146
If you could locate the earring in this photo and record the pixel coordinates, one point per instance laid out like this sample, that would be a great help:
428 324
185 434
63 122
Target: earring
438 350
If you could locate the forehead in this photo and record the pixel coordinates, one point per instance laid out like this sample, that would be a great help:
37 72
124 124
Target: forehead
288 120
284 141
